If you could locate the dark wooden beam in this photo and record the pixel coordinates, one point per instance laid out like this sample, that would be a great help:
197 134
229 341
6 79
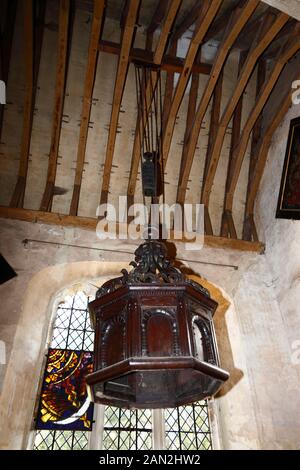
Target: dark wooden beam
262 151
214 122
235 24
127 38
288 50
227 224
91 67
169 62
90 223
207 13
265 35
157 58
33 39
60 84
256 135
6 45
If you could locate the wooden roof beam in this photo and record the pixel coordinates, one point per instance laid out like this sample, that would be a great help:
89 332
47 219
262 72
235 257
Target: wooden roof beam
214 122
157 58
97 22
262 152
90 223
6 40
209 9
170 63
288 50
33 38
235 24
227 223
256 135
61 67
127 39
265 35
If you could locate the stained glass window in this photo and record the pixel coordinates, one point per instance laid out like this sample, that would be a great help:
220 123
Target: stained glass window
64 413
64 402
71 347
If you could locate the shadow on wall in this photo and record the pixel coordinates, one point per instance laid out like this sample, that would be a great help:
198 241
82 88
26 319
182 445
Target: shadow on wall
222 334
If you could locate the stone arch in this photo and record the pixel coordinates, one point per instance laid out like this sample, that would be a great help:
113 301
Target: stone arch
23 370
43 293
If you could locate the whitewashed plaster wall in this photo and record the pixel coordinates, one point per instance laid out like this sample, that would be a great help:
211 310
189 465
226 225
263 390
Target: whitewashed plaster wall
282 252
256 408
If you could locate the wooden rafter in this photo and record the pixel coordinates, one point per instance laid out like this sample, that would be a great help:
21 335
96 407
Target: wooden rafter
227 224
265 35
90 223
262 152
288 50
157 58
209 9
33 38
127 38
156 20
220 24
64 13
170 63
98 15
237 21
6 45
213 128
169 88
28 18
256 134
190 115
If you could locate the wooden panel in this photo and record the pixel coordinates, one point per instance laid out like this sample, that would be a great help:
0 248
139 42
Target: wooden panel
64 12
90 223
87 100
127 38
288 51
206 16
265 35
237 21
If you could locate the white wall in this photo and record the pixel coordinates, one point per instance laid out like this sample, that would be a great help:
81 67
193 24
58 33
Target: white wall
258 407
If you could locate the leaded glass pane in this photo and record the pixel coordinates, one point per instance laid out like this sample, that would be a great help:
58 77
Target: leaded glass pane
187 427
127 429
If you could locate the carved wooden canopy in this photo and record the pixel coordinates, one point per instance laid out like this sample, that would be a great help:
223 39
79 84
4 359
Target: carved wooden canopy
155 343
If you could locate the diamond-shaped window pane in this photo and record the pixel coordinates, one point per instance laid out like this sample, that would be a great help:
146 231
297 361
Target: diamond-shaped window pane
80 301
78 320
59 338
63 440
43 440
75 340
88 341
62 319
80 441
187 427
